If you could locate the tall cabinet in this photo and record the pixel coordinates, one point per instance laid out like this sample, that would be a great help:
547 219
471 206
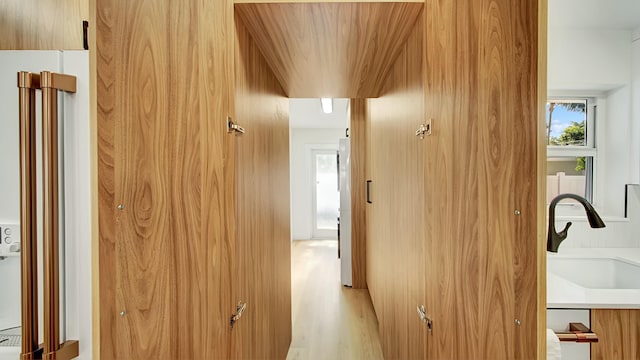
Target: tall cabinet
165 178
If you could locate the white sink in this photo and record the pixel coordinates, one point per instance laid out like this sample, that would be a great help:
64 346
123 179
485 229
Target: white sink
596 273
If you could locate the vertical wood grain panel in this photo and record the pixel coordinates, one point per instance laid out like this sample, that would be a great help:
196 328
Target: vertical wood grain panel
264 241
145 270
395 237
358 136
42 24
481 89
106 122
450 179
618 334
541 223
164 81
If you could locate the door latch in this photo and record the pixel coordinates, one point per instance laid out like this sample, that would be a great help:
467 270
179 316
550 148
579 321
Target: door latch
422 313
240 308
231 127
424 129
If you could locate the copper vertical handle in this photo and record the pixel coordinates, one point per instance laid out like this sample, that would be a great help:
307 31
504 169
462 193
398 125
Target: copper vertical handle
50 84
50 216
27 85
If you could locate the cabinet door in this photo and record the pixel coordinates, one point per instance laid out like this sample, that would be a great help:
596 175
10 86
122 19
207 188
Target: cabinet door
263 221
618 334
166 254
395 237
484 205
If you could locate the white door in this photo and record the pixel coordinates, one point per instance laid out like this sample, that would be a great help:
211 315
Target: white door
75 195
326 197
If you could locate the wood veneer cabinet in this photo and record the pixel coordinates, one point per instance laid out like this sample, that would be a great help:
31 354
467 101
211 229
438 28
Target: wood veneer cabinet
463 235
168 258
618 333
166 180
42 24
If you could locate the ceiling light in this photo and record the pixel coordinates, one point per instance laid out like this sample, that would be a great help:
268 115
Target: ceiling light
327 105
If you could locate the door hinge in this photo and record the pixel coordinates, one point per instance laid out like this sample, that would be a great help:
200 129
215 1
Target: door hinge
424 129
422 313
240 308
232 127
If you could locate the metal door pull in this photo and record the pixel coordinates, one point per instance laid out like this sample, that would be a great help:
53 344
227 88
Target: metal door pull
422 313
424 129
240 308
231 127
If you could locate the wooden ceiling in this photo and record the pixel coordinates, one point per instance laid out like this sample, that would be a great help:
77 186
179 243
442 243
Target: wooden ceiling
330 49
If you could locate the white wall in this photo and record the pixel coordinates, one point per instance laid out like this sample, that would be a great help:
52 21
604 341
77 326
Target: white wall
614 147
598 63
588 59
618 233
634 167
302 142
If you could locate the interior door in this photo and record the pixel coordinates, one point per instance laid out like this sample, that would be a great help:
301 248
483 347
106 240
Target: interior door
326 194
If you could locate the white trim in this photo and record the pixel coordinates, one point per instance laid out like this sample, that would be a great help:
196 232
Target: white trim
570 151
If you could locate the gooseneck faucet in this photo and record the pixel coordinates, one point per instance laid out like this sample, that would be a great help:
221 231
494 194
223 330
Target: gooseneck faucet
553 238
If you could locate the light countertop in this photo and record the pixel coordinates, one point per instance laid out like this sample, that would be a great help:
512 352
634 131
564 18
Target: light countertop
562 293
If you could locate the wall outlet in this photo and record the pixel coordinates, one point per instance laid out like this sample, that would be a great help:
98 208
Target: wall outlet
9 234
9 240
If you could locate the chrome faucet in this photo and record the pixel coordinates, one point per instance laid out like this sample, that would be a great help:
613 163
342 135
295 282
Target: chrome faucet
553 238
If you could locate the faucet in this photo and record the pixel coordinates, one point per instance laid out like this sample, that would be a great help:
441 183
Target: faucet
553 238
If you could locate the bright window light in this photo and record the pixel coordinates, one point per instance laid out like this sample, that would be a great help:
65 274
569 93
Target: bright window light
327 105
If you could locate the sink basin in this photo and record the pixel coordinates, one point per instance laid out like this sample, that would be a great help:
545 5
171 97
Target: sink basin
596 273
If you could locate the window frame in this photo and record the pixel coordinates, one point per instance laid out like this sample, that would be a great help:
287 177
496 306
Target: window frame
596 110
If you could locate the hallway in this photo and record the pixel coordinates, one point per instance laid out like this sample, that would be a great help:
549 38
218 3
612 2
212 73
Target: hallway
329 320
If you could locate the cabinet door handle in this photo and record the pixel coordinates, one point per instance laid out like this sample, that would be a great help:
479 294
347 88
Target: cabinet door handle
422 313
369 192
240 308
232 127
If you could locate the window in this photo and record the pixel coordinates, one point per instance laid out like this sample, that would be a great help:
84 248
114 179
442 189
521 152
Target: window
571 151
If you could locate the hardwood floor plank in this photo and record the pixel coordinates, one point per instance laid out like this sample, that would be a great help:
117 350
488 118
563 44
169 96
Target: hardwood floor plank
329 321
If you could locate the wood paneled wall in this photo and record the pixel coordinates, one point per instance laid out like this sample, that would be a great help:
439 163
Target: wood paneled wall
359 138
395 238
164 73
481 181
42 24
264 241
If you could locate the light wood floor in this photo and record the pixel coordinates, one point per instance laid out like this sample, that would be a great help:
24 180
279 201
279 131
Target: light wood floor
329 320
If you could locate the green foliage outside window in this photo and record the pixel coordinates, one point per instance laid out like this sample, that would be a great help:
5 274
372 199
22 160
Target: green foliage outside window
572 135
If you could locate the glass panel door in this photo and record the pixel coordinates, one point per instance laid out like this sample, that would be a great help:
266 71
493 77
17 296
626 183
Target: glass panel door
326 196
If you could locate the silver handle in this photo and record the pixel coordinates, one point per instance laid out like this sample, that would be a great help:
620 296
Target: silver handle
240 308
237 128
231 127
422 313
424 129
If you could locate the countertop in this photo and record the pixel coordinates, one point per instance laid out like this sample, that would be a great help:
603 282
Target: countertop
565 294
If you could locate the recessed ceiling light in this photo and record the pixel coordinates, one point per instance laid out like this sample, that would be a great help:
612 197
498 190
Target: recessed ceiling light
327 105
